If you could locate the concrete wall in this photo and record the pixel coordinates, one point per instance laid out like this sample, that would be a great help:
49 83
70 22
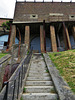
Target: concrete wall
4 61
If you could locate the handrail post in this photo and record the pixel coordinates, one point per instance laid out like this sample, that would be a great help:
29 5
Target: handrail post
14 89
6 93
18 85
23 69
21 75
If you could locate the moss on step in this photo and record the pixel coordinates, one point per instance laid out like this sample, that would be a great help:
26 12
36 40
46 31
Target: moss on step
21 98
47 70
53 90
24 90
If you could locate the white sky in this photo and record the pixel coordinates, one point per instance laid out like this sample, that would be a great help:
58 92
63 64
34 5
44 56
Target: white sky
7 7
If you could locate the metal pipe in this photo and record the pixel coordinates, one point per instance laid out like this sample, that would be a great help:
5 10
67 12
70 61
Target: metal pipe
19 43
44 35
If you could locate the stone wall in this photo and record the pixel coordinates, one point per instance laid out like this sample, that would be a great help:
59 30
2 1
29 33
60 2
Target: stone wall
23 51
14 52
4 61
62 88
14 76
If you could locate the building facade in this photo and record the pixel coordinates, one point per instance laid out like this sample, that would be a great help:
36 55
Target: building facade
45 26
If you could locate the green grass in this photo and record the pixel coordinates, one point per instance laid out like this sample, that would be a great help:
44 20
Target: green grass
47 70
24 90
65 63
27 52
21 98
52 91
2 54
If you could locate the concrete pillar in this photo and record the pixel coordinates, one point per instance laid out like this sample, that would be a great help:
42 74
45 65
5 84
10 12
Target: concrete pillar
73 32
42 39
27 36
53 39
66 39
13 36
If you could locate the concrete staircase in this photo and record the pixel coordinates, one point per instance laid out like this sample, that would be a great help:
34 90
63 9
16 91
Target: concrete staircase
39 85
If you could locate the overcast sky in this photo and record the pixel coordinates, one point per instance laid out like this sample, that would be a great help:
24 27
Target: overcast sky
7 7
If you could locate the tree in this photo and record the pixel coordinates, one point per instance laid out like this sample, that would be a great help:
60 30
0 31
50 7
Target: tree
6 25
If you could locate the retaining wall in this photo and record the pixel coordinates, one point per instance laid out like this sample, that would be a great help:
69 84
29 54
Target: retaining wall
4 61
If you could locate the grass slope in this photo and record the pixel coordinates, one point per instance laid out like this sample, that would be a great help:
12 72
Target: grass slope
65 63
2 54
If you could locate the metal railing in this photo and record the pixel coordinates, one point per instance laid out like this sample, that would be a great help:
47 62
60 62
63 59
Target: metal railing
2 47
14 84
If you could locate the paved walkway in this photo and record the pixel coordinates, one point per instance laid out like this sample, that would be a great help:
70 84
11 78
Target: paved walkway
39 85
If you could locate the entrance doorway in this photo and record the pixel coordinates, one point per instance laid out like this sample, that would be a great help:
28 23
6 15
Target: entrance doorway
35 44
48 44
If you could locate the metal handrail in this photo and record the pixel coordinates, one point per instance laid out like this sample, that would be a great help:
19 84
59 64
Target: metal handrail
20 74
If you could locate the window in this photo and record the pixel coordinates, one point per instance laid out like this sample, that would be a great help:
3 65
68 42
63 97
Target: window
71 16
33 16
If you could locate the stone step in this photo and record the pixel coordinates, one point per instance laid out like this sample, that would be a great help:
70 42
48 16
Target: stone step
43 71
34 59
38 78
37 68
39 96
34 69
39 63
39 89
39 83
38 74
37 54
37 71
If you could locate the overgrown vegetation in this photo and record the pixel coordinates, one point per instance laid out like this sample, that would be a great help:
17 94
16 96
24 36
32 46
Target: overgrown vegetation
47 70
24 90
21 98
65 63
52 91
28 52
6 25
2 54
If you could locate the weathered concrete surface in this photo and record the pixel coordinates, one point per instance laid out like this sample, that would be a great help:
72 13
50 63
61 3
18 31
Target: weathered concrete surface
11 83
42 39
39 78
38 89
43 74
39 96
27 36
61 86
12 37
4 61
53 39
38 85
